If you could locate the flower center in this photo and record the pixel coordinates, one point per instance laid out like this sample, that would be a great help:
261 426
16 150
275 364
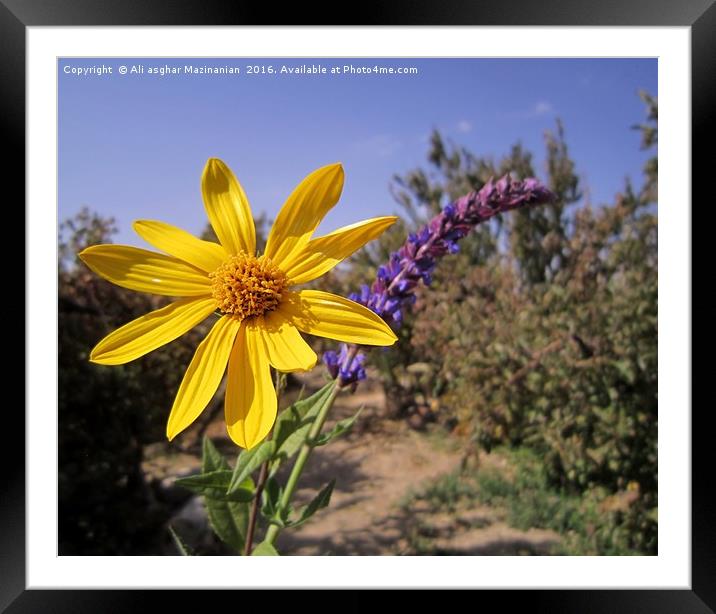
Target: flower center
246 286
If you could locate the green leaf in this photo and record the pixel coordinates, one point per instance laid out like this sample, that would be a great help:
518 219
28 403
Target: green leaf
626 370
212 460
293 424
249 461
321 500
228 519
202 481
265 549
184 550
270 497
270 504
341 427
214 484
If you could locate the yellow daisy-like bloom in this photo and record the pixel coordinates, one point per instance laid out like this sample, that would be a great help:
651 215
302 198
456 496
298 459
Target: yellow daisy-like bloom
261 315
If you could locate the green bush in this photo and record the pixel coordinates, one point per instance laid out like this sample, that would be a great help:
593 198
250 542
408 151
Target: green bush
542 331
107 414
595 523
518 491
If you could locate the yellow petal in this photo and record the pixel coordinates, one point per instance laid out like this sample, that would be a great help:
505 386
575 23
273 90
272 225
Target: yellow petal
329 315
145 271
250 404
203 376
228 208
322 254
303 211
286 349
141 336
176 242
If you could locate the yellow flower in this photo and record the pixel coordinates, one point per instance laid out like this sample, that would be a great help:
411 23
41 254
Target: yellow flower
261 313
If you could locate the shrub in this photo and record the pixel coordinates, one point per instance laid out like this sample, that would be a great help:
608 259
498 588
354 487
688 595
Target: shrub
106 415
544 334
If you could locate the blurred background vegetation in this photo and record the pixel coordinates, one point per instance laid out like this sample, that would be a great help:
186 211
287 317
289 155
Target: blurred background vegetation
536 342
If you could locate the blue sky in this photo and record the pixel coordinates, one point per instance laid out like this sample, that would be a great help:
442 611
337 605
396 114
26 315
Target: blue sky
133 146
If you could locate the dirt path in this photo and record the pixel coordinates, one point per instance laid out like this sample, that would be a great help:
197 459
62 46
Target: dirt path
377 465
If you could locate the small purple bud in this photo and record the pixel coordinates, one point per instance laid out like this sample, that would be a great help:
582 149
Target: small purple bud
403 285
391 305
330 359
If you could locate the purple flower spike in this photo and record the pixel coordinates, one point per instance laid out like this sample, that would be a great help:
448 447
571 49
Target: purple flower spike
392 293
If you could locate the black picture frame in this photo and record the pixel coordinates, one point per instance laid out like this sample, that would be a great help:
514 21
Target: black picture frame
17 15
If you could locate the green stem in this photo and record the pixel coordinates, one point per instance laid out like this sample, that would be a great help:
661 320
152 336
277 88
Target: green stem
300 463
254 513
263 476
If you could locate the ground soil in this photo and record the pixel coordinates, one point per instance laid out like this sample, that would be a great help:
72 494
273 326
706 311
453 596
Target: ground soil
377 466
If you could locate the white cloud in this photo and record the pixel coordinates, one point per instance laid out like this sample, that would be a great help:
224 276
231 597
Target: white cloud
542 108
464 125
538 109
382 145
